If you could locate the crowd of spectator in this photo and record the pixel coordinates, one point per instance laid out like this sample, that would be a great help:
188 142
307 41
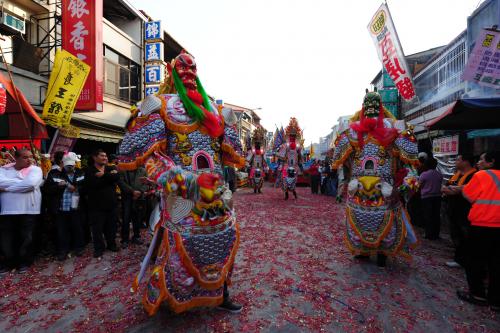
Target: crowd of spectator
61 212
323 179
471 198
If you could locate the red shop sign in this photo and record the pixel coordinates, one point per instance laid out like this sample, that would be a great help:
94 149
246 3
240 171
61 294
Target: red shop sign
82 37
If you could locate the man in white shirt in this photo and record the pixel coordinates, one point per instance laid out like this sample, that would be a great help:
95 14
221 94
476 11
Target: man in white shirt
20 200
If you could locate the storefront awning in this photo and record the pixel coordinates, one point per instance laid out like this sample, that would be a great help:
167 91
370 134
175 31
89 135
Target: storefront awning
20 121
102 136
473 113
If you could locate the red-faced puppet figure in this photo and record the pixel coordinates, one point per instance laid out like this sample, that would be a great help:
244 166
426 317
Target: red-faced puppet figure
193 95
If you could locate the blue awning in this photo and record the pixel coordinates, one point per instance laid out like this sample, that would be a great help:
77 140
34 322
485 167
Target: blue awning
483 133
470 113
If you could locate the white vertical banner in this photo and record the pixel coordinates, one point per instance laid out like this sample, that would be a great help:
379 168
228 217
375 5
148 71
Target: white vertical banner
390 52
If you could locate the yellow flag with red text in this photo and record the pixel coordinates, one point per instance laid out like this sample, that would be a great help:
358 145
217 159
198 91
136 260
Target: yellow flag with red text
65 86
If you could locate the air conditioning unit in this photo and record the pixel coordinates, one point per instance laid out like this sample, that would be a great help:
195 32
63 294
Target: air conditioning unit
12 22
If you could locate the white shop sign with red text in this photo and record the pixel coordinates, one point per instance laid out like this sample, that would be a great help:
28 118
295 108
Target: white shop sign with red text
447 145
82 36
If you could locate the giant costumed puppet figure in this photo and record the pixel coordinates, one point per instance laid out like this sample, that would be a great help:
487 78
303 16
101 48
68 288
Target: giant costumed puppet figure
380 154
183 141
257 160
290 158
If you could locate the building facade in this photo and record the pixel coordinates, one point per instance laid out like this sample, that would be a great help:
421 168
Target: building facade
28 43
386 87
248 121
122 29
31 37
437 76
438 84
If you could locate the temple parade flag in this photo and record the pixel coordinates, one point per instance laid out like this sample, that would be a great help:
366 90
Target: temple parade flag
65 86
390 52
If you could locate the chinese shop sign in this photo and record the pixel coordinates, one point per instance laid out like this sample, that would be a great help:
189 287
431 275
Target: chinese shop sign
65 85
483 66
82 37
152 31
154 74
152 90
154 51
390 51
154 69
447 145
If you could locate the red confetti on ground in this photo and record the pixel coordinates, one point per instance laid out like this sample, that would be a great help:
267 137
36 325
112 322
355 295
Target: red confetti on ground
293 274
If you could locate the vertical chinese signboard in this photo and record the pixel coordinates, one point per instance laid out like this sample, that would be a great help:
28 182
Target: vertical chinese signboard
154 69
483 66
390 52
82 37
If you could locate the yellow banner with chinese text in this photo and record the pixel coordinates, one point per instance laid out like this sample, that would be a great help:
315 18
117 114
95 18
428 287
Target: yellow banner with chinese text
65 85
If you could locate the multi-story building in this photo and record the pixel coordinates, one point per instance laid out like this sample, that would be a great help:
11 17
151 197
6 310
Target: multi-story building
28 42
386 87
438 84
437 75
31 32
248 121
123 36
122 29
324 144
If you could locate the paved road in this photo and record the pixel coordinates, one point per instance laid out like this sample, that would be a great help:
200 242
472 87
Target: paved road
293 274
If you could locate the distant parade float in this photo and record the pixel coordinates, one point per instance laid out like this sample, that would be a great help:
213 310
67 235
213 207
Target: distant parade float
378 153
256 160
289 156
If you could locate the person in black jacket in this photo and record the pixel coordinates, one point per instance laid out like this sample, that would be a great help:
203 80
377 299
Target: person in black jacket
45 235
133 193
101 181
64 185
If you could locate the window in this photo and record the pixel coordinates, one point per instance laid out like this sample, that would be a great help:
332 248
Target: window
121 77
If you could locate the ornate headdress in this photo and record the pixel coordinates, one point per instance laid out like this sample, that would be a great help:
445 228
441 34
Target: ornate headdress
258 135
293 128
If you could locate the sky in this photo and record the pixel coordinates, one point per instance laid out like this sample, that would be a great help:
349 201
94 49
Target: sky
310 59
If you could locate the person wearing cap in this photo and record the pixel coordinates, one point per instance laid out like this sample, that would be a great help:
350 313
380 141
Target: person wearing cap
65 187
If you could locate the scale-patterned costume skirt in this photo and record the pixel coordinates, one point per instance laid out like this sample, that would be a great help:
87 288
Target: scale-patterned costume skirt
192 268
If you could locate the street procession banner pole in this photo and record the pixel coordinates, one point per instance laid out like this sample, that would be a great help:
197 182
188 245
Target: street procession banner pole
32 145
391 54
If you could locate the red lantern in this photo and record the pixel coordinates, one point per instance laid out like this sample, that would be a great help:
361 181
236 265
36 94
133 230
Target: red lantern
3 99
